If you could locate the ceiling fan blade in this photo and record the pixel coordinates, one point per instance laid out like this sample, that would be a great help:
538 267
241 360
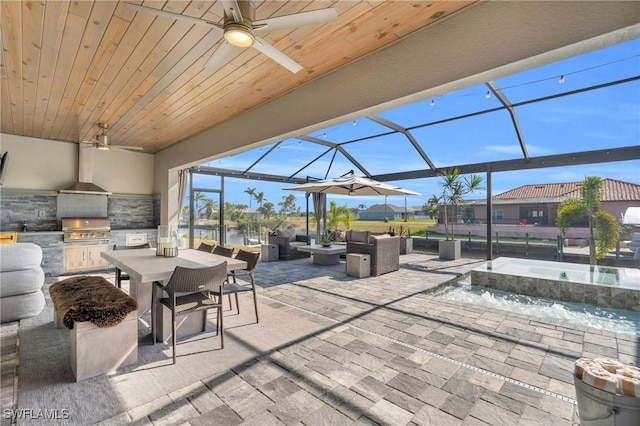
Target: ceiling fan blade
262 46
314 17
126 148
232 10
172 15
220 55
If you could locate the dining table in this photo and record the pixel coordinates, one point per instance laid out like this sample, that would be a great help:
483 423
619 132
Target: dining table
144 267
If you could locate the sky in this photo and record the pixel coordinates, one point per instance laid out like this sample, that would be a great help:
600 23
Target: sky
592 120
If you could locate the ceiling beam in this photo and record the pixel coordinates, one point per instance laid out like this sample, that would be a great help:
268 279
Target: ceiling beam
216 171
407 134
558 160
493 87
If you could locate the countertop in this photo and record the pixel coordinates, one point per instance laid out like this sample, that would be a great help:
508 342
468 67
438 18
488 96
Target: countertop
60 232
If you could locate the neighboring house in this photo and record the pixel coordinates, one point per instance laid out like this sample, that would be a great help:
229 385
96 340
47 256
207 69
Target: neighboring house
538 204
253 213
388 211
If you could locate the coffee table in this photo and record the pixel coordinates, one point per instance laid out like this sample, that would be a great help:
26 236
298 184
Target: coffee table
324 255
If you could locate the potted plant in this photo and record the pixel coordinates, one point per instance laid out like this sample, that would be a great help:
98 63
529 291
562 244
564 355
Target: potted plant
454 189
406 243
325 240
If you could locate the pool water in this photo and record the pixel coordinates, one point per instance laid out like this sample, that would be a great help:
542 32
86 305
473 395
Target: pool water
614 320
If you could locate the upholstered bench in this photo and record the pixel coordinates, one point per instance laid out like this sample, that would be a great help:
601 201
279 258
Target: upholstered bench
103 321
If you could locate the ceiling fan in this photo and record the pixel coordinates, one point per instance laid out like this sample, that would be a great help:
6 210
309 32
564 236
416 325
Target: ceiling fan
241 30
101 141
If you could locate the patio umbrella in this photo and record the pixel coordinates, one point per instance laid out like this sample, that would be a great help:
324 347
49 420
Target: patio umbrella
631 216
347 184
350 184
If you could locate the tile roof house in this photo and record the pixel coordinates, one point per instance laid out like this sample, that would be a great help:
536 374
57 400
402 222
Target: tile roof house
538 203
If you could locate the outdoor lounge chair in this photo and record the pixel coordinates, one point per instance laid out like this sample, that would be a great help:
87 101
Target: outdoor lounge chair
384 251
288 243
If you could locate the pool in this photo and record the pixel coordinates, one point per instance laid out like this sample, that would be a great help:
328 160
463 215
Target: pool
601 286
610 319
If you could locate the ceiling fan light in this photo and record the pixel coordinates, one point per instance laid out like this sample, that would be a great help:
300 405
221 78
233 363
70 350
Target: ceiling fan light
238 35
103 142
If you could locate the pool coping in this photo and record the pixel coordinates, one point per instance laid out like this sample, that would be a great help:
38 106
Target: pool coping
563 289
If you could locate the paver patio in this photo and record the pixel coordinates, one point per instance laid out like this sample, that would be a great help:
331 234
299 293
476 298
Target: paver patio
385 353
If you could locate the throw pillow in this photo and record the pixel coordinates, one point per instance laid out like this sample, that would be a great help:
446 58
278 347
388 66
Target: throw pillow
291 233
338 236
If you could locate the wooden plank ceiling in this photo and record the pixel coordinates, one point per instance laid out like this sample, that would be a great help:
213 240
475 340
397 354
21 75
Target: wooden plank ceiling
68 65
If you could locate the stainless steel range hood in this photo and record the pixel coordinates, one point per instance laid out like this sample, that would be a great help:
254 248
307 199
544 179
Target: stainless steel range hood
85 185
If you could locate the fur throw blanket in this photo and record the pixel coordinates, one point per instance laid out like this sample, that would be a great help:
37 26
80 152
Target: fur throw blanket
90 298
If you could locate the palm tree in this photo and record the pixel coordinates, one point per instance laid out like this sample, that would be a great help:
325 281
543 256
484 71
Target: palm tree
602 225
432 207
252 193
337 215
454 189
184 212
259 198
268 209
197 197
288 205
210 207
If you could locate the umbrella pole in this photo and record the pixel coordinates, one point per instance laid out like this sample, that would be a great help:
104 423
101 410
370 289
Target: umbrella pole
324 219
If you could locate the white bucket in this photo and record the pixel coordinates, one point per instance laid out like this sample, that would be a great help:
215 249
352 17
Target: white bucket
599 408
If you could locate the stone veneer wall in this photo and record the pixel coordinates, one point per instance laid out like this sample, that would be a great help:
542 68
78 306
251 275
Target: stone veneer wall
127 213
51 243
567 291
39 210
133 211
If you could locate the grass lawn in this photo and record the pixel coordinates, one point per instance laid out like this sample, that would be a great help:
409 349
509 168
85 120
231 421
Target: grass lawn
416 227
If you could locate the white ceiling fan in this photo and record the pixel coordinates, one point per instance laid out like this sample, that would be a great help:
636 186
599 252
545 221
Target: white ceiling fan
101 141
241 30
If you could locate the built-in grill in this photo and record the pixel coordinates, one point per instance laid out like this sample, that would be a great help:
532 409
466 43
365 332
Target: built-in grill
86 228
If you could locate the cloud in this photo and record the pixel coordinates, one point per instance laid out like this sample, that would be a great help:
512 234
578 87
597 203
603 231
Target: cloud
515 149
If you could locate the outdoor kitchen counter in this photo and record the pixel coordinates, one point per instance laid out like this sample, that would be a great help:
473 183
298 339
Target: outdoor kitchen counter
52 245
36 233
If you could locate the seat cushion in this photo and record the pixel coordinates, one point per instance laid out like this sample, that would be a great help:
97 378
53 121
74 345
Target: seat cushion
21 282
13 308
14 257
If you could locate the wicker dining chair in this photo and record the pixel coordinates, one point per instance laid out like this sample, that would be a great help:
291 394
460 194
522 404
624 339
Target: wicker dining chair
206 247
223 251
232 286
119 275
195 286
